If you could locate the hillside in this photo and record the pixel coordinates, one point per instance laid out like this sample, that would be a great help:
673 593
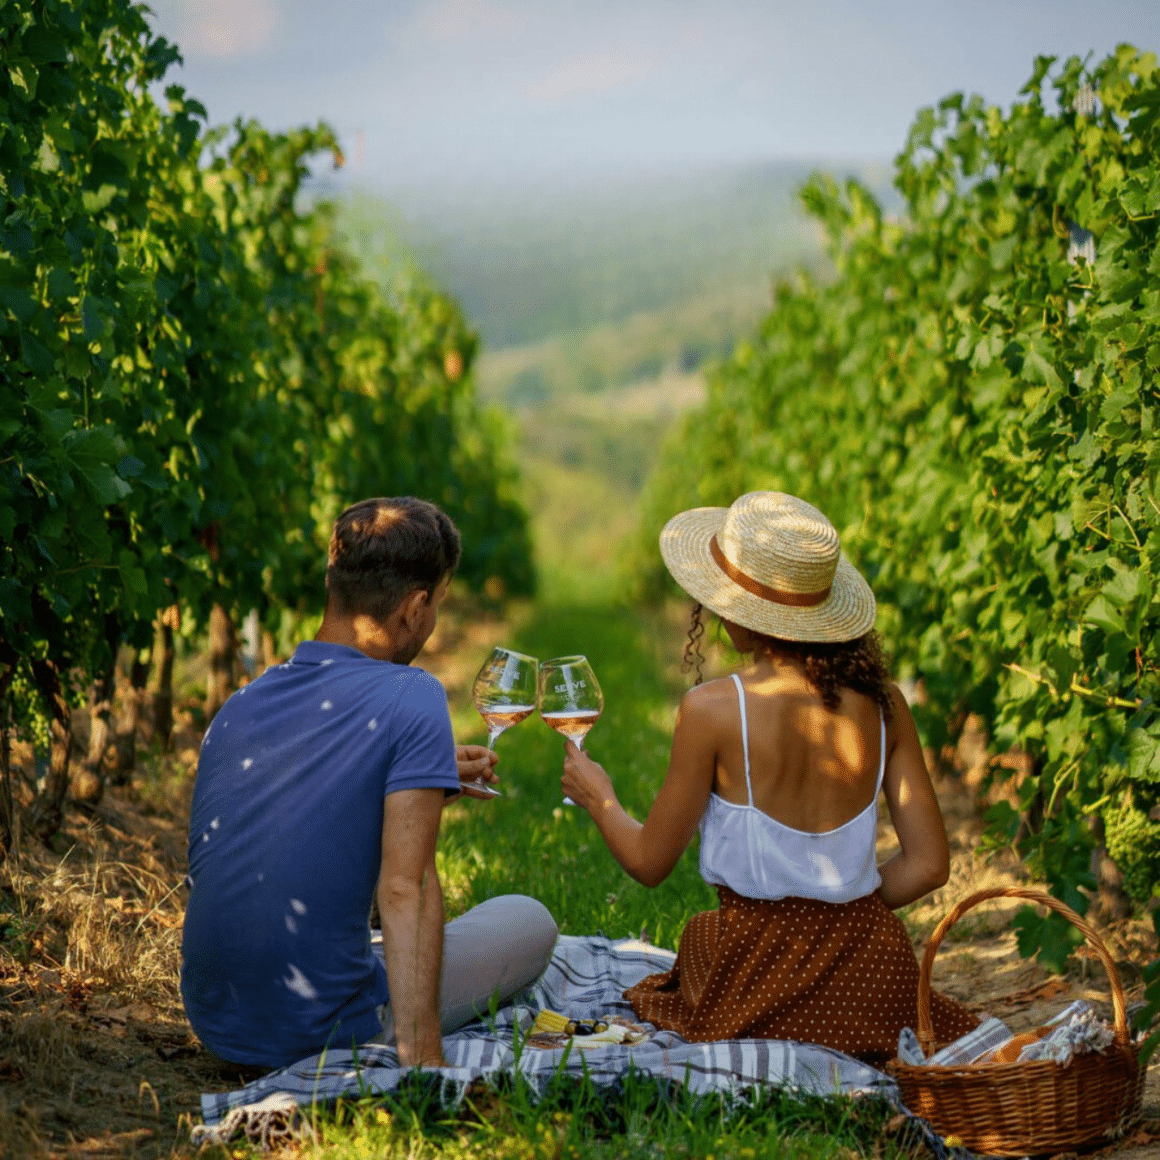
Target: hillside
532 263
600 310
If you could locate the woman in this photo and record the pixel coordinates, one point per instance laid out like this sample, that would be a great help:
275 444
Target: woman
780 767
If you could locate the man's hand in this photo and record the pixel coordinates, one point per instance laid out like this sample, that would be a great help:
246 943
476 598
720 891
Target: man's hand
476 763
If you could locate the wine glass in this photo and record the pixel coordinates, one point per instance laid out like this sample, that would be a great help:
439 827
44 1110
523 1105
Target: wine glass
570 698
504 693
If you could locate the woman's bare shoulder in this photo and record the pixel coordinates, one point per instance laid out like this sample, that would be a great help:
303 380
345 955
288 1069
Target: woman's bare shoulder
897 696
708 690
708 698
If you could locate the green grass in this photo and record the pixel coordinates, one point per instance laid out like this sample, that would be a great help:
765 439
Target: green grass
528 842
581 515
578 1121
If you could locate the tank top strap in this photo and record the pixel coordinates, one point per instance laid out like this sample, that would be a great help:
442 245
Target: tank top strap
744 733
881 751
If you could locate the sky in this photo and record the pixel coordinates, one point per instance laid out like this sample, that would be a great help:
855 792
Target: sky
463 94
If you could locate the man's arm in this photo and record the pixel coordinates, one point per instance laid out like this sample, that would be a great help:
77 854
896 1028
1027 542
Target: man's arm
411 909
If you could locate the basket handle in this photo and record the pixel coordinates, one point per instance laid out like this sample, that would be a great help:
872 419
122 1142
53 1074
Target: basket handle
1041 898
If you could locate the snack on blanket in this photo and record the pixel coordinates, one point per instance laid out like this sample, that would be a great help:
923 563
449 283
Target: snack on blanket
552 1030
614 1032
585 1026
553 1023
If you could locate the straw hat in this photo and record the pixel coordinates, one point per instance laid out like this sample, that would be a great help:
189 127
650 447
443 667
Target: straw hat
772 563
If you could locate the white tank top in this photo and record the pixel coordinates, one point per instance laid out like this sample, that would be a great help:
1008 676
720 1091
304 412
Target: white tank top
758 857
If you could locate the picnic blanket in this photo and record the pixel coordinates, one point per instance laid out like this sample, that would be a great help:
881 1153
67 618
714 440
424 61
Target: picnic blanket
586 976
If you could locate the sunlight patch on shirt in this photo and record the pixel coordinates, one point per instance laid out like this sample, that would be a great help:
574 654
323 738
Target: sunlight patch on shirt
291 925
326 705
372 724
299 908
247 763
299 983
826 872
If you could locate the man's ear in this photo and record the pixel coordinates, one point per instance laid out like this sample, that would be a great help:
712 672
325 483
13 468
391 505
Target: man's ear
413 606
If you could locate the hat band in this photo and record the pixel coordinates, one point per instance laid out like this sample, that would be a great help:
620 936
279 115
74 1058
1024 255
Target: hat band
775 595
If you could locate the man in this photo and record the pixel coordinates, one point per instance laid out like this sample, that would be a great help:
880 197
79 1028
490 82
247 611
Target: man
324 777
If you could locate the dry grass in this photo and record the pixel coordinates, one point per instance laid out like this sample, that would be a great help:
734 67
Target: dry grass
97 922
41 1047
92 1035
20 1133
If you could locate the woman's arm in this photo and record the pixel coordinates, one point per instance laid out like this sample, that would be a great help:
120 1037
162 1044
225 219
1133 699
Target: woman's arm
923 863
648 852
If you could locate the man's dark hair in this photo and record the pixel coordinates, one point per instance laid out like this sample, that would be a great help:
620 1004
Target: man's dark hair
381 549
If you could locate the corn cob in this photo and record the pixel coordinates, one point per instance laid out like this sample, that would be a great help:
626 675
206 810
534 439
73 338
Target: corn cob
550 1022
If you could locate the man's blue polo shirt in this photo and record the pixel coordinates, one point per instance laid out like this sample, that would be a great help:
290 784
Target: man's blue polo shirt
285 847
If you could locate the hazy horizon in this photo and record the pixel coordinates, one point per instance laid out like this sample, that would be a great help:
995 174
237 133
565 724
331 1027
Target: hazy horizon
456 97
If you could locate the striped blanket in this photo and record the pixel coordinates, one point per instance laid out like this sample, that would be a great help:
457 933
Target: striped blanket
586 977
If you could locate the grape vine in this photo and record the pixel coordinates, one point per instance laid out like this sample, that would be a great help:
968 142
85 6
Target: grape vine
196 376
972 399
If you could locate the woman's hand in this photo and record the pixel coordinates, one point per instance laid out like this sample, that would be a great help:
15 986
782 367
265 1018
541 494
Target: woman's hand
475 763
584 781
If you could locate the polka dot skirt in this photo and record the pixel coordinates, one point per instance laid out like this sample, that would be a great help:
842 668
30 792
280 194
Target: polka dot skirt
842 975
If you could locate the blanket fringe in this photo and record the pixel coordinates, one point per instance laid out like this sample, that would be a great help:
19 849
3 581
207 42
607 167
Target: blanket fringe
270 1123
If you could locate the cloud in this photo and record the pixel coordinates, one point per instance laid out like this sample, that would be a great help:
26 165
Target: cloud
459 20
210 28
593 72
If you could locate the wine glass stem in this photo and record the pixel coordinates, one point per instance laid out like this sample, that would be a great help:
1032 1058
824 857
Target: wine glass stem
567 800
491 737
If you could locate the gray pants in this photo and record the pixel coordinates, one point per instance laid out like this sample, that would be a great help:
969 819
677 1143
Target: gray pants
496 949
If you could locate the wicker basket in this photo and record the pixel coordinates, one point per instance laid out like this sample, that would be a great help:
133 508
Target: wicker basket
1019 1109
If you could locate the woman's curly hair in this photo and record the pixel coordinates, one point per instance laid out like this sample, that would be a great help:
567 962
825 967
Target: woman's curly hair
694 658
830 667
